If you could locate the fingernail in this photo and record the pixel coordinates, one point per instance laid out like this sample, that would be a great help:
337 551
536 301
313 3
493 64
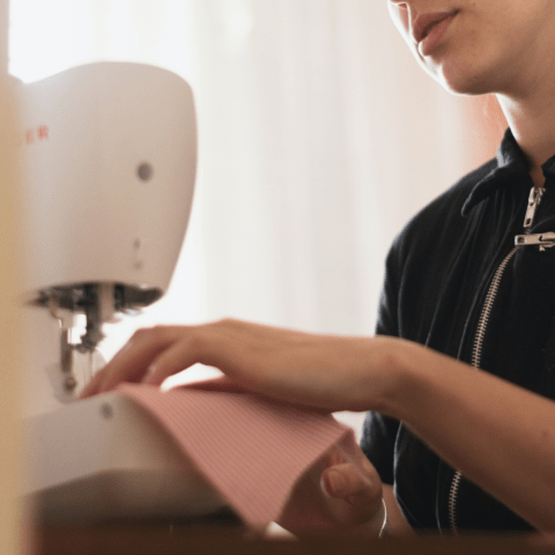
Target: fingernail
332 482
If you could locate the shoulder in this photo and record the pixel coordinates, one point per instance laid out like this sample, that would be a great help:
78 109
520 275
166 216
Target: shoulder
421 254
442 216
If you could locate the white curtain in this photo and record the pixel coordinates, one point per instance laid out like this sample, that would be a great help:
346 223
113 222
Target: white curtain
318 138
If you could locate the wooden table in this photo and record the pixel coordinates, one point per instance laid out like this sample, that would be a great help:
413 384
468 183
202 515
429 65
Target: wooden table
202 539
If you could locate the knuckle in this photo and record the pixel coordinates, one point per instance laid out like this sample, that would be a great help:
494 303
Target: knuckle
227 322
151 334
157 332
195 341
140 334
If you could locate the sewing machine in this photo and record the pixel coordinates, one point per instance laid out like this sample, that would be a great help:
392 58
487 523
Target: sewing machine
109 153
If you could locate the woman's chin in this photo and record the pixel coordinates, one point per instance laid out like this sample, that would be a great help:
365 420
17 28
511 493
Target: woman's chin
460 80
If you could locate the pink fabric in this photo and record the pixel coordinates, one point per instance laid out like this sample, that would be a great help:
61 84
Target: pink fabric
251 449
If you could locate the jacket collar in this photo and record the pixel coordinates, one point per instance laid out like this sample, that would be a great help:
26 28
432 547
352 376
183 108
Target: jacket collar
510 164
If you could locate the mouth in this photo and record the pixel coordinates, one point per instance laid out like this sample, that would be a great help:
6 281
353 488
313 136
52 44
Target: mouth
423 25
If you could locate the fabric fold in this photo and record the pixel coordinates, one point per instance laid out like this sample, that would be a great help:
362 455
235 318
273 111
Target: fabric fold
251 449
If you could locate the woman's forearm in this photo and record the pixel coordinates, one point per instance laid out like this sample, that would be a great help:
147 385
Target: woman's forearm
500 436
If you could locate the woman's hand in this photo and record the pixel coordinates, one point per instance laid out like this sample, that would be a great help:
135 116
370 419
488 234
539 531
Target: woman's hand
317 371
335 497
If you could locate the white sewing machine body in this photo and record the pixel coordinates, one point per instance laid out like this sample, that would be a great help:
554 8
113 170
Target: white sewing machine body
105 460
109 154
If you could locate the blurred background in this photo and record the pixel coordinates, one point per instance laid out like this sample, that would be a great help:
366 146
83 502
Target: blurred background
319 136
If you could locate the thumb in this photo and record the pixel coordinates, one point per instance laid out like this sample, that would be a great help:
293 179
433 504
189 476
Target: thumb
353 496
341 483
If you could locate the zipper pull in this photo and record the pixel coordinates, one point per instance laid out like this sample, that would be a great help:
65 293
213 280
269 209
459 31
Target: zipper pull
536 194
543 240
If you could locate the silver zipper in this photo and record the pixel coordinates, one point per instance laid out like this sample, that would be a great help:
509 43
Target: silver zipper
486 310
543 240
475 362
534 199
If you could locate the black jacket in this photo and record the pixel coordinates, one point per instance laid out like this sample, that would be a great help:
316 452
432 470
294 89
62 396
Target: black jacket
438 274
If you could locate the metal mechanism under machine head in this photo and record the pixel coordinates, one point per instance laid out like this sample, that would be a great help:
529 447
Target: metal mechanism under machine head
94 304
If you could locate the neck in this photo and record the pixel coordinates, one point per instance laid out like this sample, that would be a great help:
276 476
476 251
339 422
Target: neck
532 121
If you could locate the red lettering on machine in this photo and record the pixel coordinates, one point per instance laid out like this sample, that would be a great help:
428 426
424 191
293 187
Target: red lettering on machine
34 134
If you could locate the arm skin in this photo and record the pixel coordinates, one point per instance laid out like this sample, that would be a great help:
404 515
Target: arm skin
498 435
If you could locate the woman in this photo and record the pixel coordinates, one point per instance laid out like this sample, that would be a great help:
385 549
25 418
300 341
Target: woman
462 366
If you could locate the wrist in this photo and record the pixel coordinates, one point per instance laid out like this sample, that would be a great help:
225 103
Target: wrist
395 360
408 367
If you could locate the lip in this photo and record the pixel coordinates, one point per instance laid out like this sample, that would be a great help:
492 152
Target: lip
429 25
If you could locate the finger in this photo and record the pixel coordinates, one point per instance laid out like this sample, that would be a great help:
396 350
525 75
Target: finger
337 455
153 354
176 357
344 481
210 344
130 364
354 498
93 387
